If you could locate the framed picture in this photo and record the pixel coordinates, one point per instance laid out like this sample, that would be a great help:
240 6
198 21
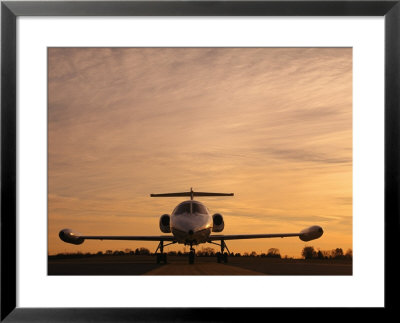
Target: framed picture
197 85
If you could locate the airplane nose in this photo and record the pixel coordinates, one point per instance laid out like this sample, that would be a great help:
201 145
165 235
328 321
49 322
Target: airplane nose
190 232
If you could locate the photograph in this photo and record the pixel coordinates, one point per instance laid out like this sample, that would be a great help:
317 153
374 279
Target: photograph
200 161
239 150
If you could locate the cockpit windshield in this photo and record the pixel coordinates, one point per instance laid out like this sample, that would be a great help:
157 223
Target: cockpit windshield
182 208
185 208
199 208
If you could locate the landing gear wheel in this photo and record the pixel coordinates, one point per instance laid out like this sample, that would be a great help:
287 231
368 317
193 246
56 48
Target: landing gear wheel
191 257
225 257
219 258
161 257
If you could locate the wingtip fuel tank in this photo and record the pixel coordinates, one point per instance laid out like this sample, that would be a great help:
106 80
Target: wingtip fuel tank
311 233
69 236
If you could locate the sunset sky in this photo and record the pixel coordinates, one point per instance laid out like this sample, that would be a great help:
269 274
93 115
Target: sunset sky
272 125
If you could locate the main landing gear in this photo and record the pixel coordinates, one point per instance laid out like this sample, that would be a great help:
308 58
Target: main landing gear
162 257
222 256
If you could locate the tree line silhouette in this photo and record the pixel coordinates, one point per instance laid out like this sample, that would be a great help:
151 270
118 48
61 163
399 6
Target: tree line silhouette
308 252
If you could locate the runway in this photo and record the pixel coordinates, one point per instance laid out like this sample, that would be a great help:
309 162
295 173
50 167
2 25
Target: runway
146 265
207 268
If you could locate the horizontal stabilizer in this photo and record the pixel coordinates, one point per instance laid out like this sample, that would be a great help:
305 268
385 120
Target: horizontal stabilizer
191 194
170 194
212 194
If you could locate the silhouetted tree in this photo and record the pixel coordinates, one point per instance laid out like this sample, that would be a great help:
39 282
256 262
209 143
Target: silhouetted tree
337 253
144 251
206 252
273 253
308 252
109 252
349 254
326 254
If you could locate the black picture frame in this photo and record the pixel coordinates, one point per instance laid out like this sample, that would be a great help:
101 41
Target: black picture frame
10 10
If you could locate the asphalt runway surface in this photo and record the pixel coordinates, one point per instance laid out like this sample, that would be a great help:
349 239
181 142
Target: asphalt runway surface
146 265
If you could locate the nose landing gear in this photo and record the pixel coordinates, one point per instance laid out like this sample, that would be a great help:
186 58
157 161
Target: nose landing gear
192 255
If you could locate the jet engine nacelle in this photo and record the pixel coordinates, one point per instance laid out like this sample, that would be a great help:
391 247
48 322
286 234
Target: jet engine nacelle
311 233
67 235
165 225
218 222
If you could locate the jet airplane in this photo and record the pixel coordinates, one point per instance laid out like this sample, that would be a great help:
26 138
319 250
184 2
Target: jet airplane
191 224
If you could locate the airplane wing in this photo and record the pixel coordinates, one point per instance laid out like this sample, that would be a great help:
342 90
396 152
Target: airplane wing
308 234
142 238
251 236
69 236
